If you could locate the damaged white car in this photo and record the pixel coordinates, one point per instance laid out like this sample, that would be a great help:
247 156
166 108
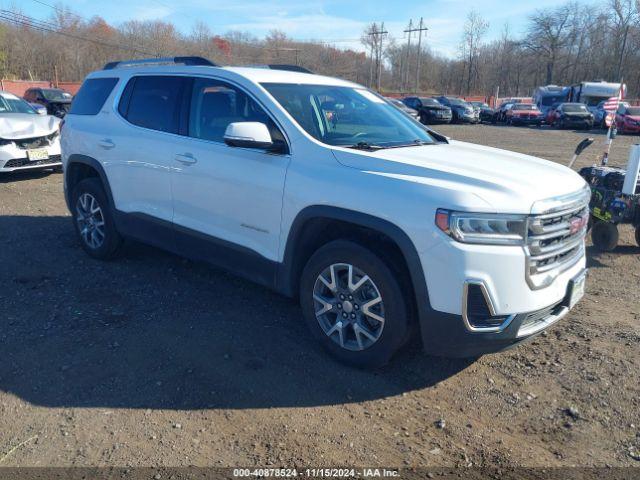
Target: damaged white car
28 140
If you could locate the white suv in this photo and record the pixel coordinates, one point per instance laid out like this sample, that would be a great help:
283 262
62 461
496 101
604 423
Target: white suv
318 187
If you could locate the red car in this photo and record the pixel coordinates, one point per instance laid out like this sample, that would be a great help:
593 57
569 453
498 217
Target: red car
523 114
628 119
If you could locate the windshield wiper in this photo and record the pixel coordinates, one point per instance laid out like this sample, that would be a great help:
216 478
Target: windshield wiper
366 146
414 143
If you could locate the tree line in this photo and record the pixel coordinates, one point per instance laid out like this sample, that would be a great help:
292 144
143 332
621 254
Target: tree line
562 45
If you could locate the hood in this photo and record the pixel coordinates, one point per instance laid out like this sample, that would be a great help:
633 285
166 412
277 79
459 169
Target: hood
635 118
470 177
14 126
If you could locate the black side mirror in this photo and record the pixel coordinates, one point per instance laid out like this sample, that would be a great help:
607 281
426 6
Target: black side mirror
583 145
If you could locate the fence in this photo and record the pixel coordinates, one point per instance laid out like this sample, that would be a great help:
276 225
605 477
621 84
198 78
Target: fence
18 87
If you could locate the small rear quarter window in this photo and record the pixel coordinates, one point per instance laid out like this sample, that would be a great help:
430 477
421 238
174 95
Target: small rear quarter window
92 95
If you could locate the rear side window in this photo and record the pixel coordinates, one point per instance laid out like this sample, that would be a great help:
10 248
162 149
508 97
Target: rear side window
92 95
153 102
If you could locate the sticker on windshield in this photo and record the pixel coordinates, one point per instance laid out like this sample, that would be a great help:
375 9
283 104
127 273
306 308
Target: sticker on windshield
370 96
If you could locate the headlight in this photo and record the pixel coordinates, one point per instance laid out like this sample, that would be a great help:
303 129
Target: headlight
482 228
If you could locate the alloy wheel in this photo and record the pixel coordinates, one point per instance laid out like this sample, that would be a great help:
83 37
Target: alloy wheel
90 221
348 306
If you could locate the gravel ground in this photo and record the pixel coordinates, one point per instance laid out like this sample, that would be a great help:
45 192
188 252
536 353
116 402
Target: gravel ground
155 360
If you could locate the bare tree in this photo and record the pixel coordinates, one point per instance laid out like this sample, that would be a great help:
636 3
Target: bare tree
475 29
548 36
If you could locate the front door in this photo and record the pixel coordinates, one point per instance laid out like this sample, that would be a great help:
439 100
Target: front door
227 201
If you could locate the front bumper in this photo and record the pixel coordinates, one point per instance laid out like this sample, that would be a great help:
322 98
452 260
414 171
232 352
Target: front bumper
468 118
628 128
449 337
444 118
578 123
450 266
14 159
526 121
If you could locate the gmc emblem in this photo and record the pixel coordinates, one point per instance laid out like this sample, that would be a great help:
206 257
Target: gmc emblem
577 224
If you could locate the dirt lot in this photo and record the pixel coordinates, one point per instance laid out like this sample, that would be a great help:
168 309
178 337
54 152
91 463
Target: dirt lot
154 360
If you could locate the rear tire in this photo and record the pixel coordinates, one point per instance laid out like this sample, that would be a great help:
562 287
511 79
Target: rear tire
604 236
638 235
337 313
93 220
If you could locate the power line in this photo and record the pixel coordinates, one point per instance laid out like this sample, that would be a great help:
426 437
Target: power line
65 12
26 21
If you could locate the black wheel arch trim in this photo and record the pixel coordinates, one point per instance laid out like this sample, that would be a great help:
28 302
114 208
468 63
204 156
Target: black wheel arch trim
97 166
288 271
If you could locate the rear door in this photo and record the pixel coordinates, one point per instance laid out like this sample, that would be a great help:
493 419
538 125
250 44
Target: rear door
142 144
231 195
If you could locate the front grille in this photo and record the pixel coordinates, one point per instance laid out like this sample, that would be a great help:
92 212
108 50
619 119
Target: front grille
24 162
35 142
556 240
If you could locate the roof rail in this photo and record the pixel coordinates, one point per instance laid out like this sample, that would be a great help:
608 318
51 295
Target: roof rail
283 66
161 61
289 68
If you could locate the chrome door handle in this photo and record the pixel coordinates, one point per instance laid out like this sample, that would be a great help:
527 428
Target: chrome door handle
186 158
106 143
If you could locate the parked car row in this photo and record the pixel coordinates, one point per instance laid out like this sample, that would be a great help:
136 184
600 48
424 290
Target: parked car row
443 109
447 109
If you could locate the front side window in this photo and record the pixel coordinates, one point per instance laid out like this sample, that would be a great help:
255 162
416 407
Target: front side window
216 104
153 102
347 116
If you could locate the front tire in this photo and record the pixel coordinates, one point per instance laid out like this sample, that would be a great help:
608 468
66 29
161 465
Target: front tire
93 220
605 236
353 304
638 235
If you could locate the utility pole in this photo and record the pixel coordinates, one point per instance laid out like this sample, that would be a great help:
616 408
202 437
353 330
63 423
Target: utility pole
382 33
404 80
419 29
376 39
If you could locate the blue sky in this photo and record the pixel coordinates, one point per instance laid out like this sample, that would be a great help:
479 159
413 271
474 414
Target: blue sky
335 21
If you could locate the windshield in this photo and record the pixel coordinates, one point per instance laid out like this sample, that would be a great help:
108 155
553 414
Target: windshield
346 116
457 101
574 108
11 104
524 106
551 99
633 111
54 95
432 102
